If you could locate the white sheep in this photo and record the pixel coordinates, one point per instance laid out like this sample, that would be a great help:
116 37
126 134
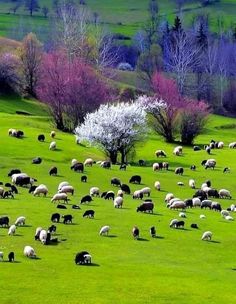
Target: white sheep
173 200
118 202
1 255
155 167
62 184
20 221
207 236
196 202
88 162
41 189
94 191
220 145
202 216
192 183
53 134
224 212
168 197
43 236
104 230
138 194
37 232
211 163
73 162
120 193
182 214
157 185
223 193
67 189
29 252
52 146
228 218
233 208
178 150
146 191
232 145
59 197
178 205
12 230
203 186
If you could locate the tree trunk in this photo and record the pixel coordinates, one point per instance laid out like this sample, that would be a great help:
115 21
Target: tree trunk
113 157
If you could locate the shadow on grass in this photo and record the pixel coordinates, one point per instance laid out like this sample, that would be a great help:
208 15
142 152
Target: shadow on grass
111 236
89 265
158 237
142 240
214 242
14 262
25 226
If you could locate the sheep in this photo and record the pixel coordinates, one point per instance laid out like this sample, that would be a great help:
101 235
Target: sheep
165 165
182 214
94 191
20 221
89 213
83 257
135 232
195 226
74 161
12 230
188 203
104 230
135 179
16 175
180 183
87 259
153 231
29 252
206 204
232 145
157 185
155 167
196 148
86 199
224 213
192 183
118 202
208 149
53 134
53 171
59 197
41 189
193 167
55 217
223 193
109 195
226 170
8 194
210 163
88 162
207 236
78 167
67 189
216 206
173 200
138 194
120 193
146 191
106 164
168 197
52 146
52 229
62 184
202 216
83 179
41 137
43 236
179 170
178 205
228 218
36 160
173 223
178 150
67 218
233 208
125 188
159 153
115 181
37 233
220 145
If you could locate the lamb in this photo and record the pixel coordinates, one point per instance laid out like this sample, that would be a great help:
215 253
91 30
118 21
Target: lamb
207 236
43 236
155 167
53 134
12 230
53 146
29 252
86 199
67 189
41 189
94 191
192 184
157 185
178 150
146 191
20 221
138 194
118 202
41 137
223 193
59 197
104 230
159 153
88 162
83 179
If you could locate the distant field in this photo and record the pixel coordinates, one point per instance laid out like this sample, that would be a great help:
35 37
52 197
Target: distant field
176 267
121 16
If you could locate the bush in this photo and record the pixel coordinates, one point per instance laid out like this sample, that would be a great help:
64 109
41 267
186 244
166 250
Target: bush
127 94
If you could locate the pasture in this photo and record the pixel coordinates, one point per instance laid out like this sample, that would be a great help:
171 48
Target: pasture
175 267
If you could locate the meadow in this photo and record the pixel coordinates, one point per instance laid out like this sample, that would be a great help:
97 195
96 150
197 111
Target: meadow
175 267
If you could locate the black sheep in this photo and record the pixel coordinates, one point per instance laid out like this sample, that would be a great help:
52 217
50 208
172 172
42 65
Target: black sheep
78 167
41 137
89 213
123 167
194 226
86 199
55 218
32 188
61 206
36 160
125 188
52 229
8 194
135 179
115 181
153 231
180 224
14 171
179 170
135 232
4 221
67 218
110 195
53 171
146 206
14 189
83 179
79 258
193 167
11 257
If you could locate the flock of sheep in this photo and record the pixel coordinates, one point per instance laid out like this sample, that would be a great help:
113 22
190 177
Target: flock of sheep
201 198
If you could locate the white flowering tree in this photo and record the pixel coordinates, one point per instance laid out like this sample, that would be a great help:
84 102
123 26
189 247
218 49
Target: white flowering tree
115 128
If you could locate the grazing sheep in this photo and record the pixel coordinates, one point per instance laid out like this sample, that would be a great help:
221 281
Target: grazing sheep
60 197
37 233
106 164
67 218
157 185
74 162
53 146
180 183
182 214
178 205
208 150
160 153
220 145
200 194
86 199
115 181
41 189
62 184
194 226
155 167
193 167
138 194
53 134
109 195
120 193
228 218
173 200
226 170
125 188
165 165
196 148
53 171
178 150
173 223
224 212
29 252
12 230
43 236
36 160
104 230
216 206
206 204
210 163
192 183
94 191
118 202
61 206
20 221
146 207
232 208
153 231
213 193
52 229
232 145
55 218
223 193
87 259
168 197
135 233
4 221
89 213
75 207
14 171
189 203
202 216
41 137
207 236
83 179
135 179
179 170
88 162
180 224
82 258
67 189
146 191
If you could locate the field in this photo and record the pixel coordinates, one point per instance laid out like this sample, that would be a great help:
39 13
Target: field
120 16
175 267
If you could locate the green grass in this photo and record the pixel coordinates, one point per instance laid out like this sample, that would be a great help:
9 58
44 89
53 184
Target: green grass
177 267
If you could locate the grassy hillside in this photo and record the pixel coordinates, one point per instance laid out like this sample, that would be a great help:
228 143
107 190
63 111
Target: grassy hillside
175 267
121 16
